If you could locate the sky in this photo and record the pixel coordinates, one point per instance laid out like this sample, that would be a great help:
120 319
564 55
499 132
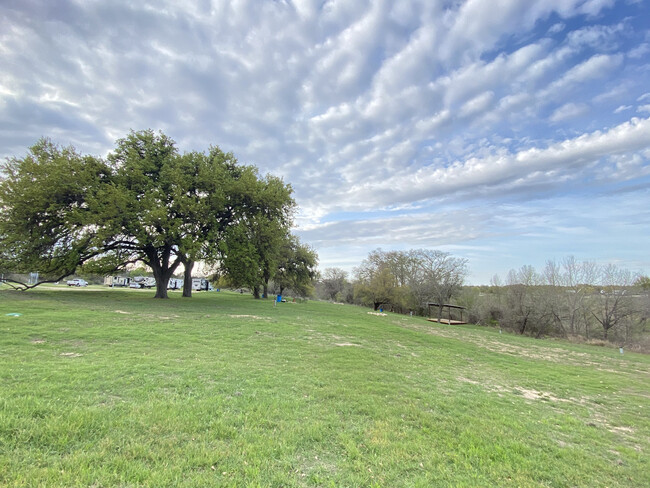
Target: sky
505 132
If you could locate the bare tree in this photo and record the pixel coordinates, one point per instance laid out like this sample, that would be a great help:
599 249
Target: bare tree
567 286
438 276
333 282
613 305
521 303
643 282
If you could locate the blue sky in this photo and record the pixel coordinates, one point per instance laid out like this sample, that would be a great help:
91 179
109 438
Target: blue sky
508 133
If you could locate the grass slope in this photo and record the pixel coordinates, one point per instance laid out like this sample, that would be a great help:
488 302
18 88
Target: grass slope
112 388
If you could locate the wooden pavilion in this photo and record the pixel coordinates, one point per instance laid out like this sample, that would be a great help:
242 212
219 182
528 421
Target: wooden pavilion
451 319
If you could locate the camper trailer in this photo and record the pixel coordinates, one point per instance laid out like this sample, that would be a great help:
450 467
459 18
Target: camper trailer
198 284
143 282
175 284
114 281
201 284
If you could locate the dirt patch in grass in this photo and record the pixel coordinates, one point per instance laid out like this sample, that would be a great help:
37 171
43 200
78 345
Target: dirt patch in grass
600 420
163 317
538 395
462 379
70 354
255 317
527 393
123 312
346 344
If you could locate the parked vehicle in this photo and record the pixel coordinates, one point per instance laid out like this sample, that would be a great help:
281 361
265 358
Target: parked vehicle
198 284
117 281
143 282
201 284
175 284
77 282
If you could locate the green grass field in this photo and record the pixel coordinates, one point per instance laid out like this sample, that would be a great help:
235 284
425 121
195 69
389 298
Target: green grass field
111 388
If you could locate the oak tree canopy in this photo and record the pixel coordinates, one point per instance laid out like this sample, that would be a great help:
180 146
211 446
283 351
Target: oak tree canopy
145 202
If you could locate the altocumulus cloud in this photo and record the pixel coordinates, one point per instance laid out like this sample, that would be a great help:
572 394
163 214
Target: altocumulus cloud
400 124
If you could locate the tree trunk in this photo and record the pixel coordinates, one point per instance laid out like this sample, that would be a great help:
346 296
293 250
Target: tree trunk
162 271
560 326
256 292
162 277
265 293
161 288
187 278
522 327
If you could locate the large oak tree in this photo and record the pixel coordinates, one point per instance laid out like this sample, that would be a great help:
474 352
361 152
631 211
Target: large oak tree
146 203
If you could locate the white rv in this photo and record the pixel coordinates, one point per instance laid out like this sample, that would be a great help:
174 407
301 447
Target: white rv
175 284
143 282
114 281
201 284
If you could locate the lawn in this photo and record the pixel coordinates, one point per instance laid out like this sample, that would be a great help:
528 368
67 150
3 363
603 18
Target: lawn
103 387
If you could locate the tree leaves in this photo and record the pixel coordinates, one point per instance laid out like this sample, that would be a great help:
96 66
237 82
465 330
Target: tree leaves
146 203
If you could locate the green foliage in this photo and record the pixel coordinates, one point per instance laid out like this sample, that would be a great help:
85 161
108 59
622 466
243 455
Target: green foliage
376 288
252 248
146 204
139 271
48 202
296 267
241 260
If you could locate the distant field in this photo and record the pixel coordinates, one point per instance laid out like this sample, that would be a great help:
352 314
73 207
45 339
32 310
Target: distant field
108 388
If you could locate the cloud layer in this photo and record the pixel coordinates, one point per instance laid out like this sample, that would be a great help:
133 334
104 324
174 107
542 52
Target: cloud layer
399 124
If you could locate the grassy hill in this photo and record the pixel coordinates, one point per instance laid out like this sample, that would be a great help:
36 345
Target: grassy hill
106 387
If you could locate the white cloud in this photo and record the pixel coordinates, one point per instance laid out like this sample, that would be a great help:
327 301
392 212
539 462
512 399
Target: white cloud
477 104
594 7
639 51
619 92
504 171
603 37
595 67
569 111
419 229
477 25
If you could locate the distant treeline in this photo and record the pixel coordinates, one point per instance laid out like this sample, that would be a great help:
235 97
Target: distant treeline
579 300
